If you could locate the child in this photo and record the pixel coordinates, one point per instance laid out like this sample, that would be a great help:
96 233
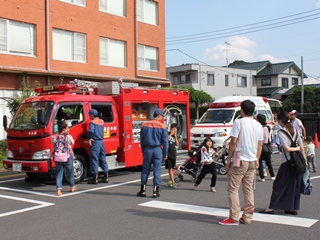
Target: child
63 133
170 162
310 152
209 166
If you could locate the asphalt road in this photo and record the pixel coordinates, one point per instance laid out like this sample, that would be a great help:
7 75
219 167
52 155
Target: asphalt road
31 210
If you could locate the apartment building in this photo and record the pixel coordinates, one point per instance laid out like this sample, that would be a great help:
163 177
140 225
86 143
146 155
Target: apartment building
216 81
55 41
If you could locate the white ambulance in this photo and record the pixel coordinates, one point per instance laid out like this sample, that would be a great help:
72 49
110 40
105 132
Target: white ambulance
217 121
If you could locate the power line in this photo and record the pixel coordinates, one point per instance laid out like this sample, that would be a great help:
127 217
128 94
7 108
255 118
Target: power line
222 30
244 31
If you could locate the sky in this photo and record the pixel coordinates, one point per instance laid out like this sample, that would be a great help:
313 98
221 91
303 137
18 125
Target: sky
215 32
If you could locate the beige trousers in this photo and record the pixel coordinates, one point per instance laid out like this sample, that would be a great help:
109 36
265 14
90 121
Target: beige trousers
245 175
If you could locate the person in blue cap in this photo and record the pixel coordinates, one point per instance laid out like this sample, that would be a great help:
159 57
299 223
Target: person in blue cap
97 151
154 146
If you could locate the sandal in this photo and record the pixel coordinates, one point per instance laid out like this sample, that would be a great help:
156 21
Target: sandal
73 189
59 193
264 211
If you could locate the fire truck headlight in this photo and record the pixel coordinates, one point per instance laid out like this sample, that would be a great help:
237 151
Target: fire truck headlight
9 154
43 154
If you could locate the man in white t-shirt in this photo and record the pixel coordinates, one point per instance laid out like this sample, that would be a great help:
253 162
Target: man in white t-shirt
246 135
298 124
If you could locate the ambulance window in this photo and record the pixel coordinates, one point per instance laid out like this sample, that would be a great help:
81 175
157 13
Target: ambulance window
72 114
236 115
267 113
104 111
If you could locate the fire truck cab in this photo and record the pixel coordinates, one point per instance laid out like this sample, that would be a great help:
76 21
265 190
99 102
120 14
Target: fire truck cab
29 147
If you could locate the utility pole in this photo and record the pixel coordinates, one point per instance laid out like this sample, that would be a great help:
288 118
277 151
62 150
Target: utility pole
302 88
226 50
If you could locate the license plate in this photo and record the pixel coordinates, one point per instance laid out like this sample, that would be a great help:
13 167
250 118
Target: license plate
17 167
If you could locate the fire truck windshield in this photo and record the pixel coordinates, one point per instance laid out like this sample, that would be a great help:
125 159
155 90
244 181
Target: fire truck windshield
26 117
217 116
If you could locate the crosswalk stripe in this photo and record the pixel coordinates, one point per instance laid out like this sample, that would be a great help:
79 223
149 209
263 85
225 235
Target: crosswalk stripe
221 212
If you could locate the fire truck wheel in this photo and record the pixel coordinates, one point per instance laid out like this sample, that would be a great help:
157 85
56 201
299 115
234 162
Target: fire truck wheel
80 169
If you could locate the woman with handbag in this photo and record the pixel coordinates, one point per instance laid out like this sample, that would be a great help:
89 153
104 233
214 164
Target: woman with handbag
266 149
287 185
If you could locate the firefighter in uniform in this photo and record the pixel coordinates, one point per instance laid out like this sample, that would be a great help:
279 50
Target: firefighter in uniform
154 146
97 151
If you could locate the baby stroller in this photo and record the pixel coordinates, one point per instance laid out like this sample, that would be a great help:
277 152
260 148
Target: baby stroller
219 157
191 166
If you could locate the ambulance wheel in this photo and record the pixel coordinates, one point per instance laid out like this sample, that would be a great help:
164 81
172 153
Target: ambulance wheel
80 169
223 170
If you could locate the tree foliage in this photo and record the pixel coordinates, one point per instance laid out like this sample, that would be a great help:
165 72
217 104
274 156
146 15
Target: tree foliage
311 100
18 98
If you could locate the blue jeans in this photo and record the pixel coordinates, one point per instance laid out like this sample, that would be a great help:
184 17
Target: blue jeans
152 156
60 169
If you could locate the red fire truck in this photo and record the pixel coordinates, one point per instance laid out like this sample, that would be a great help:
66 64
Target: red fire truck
123 109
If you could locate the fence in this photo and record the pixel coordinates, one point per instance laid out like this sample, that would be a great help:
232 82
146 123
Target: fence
311 122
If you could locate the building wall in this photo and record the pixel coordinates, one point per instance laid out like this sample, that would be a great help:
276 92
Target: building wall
90 21
199 79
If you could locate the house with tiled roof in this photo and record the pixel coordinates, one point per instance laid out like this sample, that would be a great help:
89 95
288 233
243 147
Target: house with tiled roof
273 80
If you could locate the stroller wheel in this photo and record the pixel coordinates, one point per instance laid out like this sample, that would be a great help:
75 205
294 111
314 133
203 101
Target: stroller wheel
177 179
181 177
223 170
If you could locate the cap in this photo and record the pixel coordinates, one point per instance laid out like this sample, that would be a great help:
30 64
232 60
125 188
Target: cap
293 112
93 112
158 112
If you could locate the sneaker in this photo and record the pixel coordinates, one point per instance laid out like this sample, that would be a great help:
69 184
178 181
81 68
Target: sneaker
196 186
213 189
273 178
169 184
241 220
228 222
262 180
59 193
73 189
174 185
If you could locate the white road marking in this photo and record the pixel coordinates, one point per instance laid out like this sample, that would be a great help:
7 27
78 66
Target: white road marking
221 212
40 205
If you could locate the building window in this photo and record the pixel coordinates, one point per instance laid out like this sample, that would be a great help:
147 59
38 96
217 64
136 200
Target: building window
210 79
17 37
242 81
75 2
295 81
266 82
226 80
185 78
147 58
69 46
147 11
116 7
112 52
285 82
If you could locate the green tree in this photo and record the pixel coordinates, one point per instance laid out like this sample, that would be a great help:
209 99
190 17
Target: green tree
26 92
311 100
198 97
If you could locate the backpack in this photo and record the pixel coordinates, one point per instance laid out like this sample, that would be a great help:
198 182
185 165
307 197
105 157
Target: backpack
61 149
298 163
